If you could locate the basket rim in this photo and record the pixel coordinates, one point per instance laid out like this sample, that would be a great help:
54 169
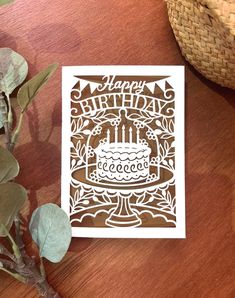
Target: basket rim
222 10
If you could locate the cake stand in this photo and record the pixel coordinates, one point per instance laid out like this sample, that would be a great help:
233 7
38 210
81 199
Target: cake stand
123 214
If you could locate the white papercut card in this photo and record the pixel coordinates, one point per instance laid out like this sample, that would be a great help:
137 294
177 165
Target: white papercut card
123 151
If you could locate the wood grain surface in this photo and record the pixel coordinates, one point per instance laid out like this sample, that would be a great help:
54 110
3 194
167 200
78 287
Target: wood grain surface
126 32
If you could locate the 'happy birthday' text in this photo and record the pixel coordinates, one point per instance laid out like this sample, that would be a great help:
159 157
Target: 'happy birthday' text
117 100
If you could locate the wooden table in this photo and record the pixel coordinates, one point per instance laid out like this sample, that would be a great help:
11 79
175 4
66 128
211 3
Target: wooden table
127 32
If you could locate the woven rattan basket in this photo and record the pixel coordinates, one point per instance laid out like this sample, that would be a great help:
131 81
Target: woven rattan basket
205 31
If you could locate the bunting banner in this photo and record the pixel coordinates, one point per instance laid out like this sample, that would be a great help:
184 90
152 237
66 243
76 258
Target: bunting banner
84 83
151 86
123 151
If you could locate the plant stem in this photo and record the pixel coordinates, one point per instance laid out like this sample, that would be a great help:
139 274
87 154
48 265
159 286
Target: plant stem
46 290
24 266
9 117
15 248
17 131
28 273
42 268
5 252
15 275
4 116
19 240
7 134
4 263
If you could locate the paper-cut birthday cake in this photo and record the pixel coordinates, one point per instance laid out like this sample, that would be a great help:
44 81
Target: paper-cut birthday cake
122 162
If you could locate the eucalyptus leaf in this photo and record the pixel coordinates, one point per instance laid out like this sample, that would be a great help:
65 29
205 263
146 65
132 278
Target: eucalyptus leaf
1 121
3 110
51 230
12 198
13 70
9 167
30 89
4 2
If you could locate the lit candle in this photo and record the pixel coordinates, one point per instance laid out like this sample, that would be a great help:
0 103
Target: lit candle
137 136
108 136
123 133
116 134
130 135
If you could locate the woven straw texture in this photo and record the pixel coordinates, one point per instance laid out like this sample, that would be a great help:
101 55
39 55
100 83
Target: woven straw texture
205 31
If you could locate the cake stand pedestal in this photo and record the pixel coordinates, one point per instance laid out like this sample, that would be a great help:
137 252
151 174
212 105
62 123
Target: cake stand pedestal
123 215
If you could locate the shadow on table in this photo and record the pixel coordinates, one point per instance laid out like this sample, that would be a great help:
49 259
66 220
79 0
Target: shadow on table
227 93
40 163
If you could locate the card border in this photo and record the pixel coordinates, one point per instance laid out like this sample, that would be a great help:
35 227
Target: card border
68 81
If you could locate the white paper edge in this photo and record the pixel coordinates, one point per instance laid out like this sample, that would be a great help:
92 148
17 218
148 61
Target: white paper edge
68 82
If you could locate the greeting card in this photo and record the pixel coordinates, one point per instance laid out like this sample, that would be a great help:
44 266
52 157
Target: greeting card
123 151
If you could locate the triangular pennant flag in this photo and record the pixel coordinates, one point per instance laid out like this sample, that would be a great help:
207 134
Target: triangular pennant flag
158 91
83 84
167 86
93 86
151 86
161 84
169 83
73 82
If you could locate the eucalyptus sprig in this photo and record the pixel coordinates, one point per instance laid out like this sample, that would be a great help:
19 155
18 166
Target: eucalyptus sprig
49 225
4 2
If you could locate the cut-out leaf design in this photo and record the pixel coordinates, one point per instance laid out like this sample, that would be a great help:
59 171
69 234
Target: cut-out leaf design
86 122
158 123
171 126
9 167
158 131
73 163
163 204
166 145
161 150
166 136
30 89
51 230
4 2
158 196
140 199
147 121
12 198
151 199
86 132
73 126
164 123
13 70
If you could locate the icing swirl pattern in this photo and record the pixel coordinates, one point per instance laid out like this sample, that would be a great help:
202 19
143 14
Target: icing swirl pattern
122 162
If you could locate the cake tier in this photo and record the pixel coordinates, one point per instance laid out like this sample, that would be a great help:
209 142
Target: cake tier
122 162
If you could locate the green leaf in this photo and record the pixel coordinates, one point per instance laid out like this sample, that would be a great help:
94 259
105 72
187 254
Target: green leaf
13 70
1 120
4 2
3 111
12 198
30 89
9 167
51 230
